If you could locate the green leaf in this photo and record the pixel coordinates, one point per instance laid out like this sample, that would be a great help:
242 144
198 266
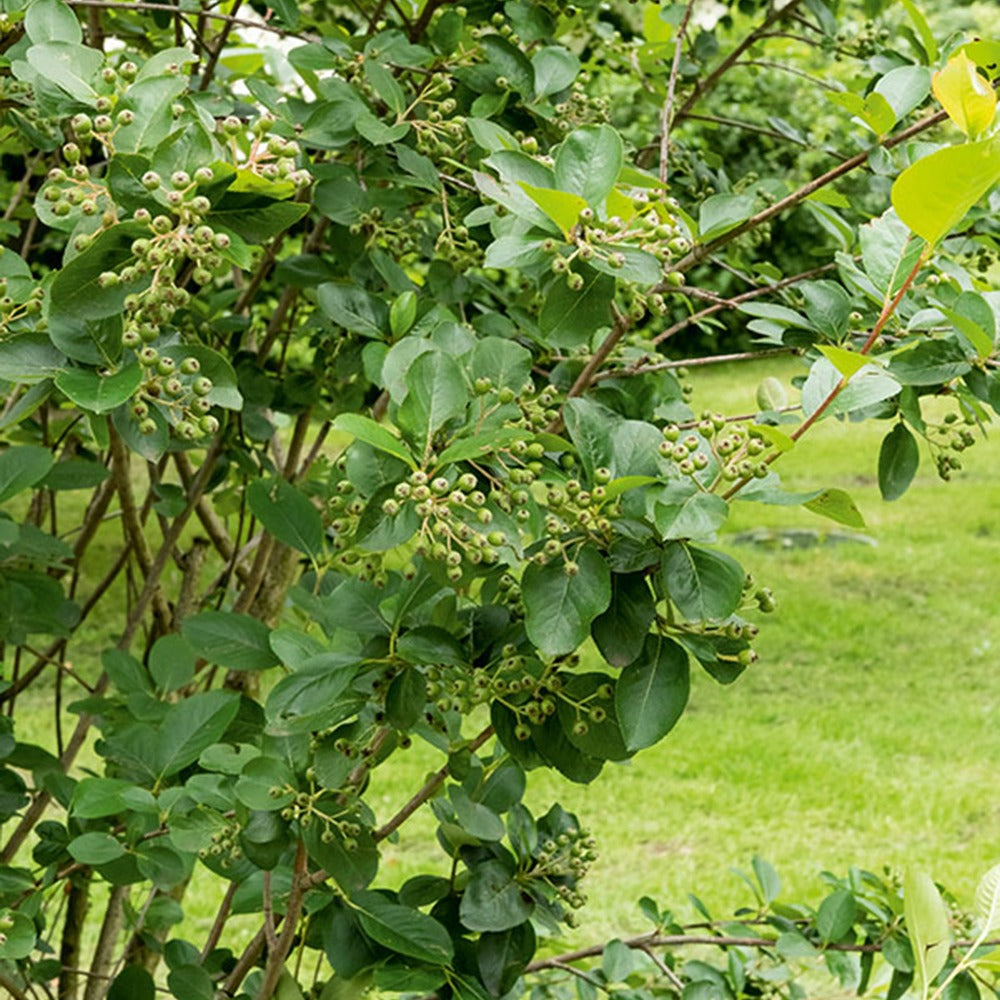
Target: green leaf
569 318
923 29
51 21
437 394
75 474
555 69
258 777
191 726
619 632
721 212
132 983
232 640
652 692
588 163
847 363
29 357
191 982
898 459
561 207
836 915
502 956
19 936
927 924
99 393
353 308
171 662
559 608
314 696
705 585
933 195
967 96
253 218
95 848
21 467
352 869
367 430
987 901
403 929
493 900
837 505
288 514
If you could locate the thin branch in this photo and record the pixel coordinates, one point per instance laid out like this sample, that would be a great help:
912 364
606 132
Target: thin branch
709 82
217 47
793 279
704 250
713 359
426 792
141 5
667 115
586 377
768 64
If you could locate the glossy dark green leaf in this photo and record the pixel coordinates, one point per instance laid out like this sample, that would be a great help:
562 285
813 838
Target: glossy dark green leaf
352 864
502 957
652 692
288 514
406 698
21 467
620 631
171 662
403 929
354 309
98 393
493 900
190 982
192 725
571 318
253 218
132 983
230 639
95 848
560 607
704 584
437 394
898 459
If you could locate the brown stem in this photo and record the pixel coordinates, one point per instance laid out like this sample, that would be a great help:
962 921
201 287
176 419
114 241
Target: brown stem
276 956
713 359
216 51
114 917
667 115
709 82
586 377
77 901
426 791
220 921
711 310
703 250
156 8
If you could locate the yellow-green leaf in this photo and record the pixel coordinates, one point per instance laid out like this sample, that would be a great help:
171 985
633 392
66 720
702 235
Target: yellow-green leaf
848 363
561 207
968 98
933 195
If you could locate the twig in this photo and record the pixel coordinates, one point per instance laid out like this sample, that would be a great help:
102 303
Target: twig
710 81
704 250
216 50
713 359
666 117
141 5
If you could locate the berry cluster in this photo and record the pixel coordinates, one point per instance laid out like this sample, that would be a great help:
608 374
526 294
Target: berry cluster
177 388
738 451
11 310
948 439
270 157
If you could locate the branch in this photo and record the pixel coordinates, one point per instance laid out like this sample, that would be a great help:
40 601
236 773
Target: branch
586 377
709 82
666 118
157 8
704 250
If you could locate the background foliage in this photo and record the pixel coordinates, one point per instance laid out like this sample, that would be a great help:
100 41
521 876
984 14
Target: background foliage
341 414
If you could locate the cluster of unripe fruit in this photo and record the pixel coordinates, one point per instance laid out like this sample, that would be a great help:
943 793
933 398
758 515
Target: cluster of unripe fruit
949 438
740 450
562 861
179 388
11 311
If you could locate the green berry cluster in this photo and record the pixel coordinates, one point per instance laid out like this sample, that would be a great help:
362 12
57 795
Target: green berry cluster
178 389
71 190
11 310
224 848
739 451
270 157
948 439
